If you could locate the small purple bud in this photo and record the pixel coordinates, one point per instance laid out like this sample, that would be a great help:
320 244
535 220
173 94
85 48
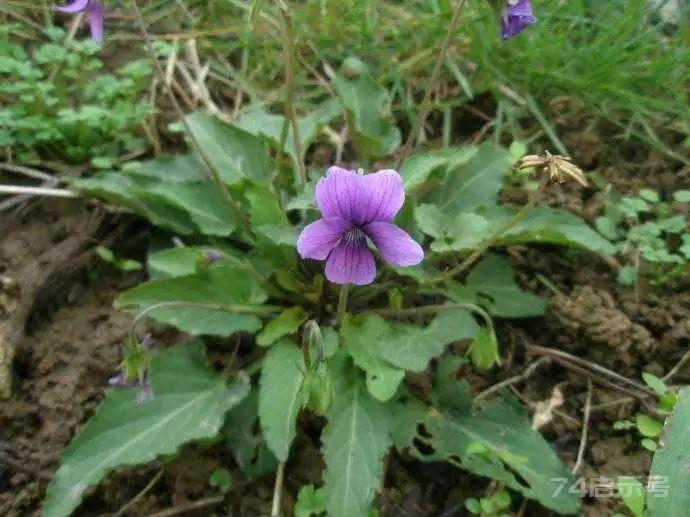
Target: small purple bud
213 256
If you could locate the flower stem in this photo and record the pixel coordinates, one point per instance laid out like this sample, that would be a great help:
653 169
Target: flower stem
484 246
342 303
426 101
289 57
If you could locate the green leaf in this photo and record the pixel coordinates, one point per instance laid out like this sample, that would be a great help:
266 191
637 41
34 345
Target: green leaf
409 347
494 278
515 454
243 436
463 231
287 322
419 168
119 189
234 153
632 493
310 502
474 183
668 491
190 403
484 350
206 206
549 226
648 426
655 383
257 121
355 441
220 479
280 396
649 195
225 286
173 168
175 261
359 334
682 196
627 275
366 105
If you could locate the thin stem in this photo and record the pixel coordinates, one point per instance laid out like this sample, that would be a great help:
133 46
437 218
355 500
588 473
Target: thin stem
278 490
140 495
178 110
529 371
342 303
27 171
585 430
37 191
289 58
435 75
565 357
491 240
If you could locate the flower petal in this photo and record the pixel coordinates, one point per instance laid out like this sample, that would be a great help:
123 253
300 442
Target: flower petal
382 195
96 21
74 7
318 238
395 245
517 18
351 264
337 193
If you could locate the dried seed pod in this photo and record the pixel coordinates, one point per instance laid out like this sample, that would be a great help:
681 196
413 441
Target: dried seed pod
559 168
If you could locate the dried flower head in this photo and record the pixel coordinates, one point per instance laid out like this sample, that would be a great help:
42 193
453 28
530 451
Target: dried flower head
356 208
559 168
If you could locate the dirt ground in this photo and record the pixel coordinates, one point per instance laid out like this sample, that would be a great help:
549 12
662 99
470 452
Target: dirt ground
56 310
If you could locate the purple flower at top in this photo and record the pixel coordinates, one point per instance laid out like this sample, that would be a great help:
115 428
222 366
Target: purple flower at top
93 8
355 207
516 17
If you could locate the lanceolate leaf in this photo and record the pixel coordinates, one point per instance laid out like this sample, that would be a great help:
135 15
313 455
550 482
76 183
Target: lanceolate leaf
475 183
355 441
496 442
493 278
361 337
419 168
365 103
280 396
410 347
222 286
189 403
246 441
234 153
668 493
550 226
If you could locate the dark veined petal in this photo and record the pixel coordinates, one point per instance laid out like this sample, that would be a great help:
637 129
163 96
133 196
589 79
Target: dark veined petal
351 263
337 193
318 238
395 245
73 7
518 16
381 196
95 11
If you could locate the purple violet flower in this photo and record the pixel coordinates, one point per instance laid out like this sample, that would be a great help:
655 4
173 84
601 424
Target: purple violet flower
94 9
516 17
354 207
